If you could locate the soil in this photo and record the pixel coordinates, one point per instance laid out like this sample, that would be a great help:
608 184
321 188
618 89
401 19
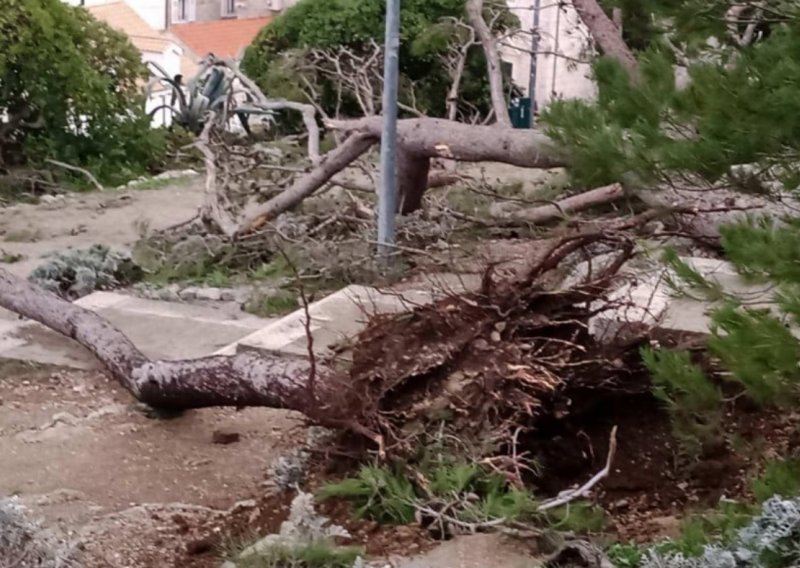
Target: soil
652 485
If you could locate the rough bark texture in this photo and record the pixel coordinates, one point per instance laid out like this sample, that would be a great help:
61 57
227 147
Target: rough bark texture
246 379
572 204
439 138
489 44
412 179
607 34
332 163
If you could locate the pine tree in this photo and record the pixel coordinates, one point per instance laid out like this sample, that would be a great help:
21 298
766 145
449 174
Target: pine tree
735 124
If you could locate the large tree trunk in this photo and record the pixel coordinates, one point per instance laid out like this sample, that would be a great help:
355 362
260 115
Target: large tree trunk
412 179
495 72
419 140
246 379
332 163
440 138
607 34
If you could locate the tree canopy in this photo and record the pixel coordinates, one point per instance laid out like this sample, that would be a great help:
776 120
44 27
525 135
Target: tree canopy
427 28
71 89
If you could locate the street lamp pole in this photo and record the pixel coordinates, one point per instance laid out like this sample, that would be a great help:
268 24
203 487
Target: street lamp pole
387 194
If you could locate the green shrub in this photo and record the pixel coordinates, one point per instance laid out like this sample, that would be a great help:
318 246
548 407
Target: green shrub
780 478
72 92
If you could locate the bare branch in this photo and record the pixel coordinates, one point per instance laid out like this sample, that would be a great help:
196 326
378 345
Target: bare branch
78 169
489 44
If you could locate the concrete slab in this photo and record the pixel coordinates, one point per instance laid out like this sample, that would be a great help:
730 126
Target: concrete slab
650 300
339 316
160 329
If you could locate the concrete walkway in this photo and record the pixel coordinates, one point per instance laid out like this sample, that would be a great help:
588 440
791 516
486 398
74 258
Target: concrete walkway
177 331
163 330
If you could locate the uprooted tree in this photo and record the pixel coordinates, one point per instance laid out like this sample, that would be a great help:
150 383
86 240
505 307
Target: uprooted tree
733 128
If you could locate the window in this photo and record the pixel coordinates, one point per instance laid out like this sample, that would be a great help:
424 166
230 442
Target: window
228 8
183 11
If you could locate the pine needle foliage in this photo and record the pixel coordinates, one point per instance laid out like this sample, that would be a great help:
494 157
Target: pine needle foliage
692 400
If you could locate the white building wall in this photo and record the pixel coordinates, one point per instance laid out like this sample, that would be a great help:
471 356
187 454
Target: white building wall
170 60
562 41
154 12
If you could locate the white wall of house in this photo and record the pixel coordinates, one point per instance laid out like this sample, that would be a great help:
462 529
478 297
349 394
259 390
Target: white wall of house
170 60
154 12
562 41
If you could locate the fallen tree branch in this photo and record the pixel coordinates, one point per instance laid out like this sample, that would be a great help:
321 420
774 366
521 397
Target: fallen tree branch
245 379
78 169
440 138
332 163
570 495
212 210
571 204
607 35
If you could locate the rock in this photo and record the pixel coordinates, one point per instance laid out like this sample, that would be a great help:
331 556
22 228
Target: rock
189 293
225 437
227 295
171 293
209 294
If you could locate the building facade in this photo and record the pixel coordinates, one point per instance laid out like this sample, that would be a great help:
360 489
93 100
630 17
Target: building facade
560 68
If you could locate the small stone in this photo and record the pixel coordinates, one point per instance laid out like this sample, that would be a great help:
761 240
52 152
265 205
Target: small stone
189 293
495 337
621 504
225 437
227 295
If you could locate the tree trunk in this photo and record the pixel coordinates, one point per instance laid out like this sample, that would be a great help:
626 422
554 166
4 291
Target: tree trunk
332 163
439 138
412 179
419 139
607 34
495 72
246 379
569 205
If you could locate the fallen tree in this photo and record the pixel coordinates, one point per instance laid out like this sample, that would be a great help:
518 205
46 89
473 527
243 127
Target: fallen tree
361 400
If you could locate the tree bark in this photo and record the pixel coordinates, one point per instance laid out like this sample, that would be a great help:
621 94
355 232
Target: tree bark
419 140
495 72
332 163
439 138
246 379
607 34
569 205
412 179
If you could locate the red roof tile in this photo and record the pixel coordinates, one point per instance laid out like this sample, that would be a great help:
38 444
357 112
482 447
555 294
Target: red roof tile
223 38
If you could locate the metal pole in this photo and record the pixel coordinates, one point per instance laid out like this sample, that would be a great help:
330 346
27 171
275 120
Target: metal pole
387 195
534 57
